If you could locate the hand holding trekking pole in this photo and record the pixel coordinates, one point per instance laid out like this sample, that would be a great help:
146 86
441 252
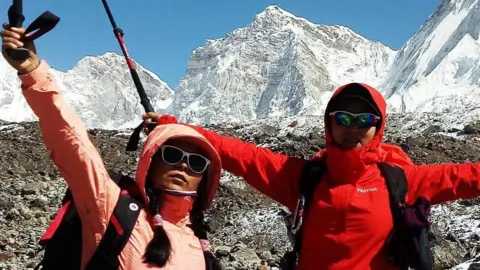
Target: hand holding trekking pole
150 119
11 40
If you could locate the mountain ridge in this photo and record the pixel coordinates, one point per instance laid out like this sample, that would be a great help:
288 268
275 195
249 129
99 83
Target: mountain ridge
278 64
281 65
98 88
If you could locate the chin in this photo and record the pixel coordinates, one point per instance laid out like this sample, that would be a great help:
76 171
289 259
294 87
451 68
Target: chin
175 186
350 146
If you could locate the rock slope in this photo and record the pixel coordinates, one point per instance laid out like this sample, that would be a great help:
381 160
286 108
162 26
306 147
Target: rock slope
246 227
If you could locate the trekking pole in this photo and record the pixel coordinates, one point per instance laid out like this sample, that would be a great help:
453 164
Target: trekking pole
16 19
132 144
136 80
41 25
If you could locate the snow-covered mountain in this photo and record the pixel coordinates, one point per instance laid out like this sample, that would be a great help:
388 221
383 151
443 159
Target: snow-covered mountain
283 65
100 90
277 65
438 69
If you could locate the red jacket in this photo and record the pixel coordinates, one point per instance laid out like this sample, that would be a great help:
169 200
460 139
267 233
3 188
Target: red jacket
350 216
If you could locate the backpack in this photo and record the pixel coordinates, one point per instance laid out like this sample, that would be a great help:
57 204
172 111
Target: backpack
407 245
62 241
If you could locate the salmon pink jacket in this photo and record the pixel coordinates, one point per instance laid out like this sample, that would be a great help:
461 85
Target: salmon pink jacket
95 194
349 218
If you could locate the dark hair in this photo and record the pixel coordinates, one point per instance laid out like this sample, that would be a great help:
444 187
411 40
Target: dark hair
158 250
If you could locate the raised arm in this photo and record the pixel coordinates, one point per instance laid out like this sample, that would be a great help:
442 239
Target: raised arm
64 134
444 182
273 174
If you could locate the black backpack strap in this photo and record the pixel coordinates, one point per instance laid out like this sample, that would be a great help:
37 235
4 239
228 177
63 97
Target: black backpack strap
119 229
407 245
396 183
311 176
397 188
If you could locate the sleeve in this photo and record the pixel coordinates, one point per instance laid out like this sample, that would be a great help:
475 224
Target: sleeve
77 159
274 174
443 182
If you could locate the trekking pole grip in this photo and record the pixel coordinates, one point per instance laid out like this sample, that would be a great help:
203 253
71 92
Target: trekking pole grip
16 19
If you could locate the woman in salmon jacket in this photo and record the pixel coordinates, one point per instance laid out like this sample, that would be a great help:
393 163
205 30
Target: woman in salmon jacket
175 163
349 217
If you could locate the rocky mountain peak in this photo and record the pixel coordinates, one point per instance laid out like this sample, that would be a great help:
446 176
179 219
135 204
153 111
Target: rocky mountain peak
99 88
279 64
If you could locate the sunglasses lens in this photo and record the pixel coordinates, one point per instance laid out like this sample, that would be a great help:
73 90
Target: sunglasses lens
197 163
365 120
172 155
343 119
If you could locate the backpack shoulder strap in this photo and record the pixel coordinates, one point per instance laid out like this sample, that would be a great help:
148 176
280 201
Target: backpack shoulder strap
125 183
397 188
407 245
311 176
119 229
118 177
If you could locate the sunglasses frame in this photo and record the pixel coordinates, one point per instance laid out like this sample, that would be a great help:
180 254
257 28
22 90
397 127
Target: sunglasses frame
356 115
185 154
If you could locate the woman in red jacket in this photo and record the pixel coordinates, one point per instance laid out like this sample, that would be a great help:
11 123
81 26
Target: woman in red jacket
349 217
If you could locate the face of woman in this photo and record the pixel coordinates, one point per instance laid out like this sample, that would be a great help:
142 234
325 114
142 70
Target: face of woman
177 165
345 128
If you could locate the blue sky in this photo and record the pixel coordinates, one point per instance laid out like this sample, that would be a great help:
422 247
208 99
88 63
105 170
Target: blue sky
161 35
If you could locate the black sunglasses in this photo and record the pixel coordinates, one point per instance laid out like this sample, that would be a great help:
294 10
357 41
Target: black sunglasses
173 155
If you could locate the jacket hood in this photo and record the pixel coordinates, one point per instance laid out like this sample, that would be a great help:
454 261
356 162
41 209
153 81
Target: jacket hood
159 136
348 165
367 92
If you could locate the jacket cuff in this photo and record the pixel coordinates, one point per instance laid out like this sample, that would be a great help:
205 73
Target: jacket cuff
36 75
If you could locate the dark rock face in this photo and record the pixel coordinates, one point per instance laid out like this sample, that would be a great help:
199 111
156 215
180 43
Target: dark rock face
246 227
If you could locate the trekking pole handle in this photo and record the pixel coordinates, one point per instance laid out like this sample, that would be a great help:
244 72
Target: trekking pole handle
15 13
16 19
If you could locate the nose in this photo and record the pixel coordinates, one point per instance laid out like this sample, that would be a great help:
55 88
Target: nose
182 165
353 131
352 128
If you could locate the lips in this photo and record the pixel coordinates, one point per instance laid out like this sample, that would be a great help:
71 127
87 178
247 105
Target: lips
348 143
179 176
